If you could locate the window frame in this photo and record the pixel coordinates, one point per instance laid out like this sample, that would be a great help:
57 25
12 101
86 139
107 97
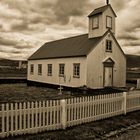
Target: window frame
94 20
61 70
49 66
109 45
32 69
76 70
107 22
39 69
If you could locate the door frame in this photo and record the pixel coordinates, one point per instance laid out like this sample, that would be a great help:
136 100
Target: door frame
108 63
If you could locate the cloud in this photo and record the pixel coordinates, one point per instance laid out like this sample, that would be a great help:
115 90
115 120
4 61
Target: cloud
132 50
19 26
27 24
7 12
118 6
128 36
66 9
7 42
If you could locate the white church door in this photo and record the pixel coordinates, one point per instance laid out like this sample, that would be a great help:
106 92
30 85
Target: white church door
108 72
108 77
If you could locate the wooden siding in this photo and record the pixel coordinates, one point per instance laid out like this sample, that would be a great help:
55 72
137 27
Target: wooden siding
67 80
95 65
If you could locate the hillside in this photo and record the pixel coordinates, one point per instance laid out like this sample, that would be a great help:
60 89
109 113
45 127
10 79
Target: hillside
133 61
7 62
13 68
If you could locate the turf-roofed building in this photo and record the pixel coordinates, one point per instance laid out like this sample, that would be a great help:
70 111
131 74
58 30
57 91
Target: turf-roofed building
94 60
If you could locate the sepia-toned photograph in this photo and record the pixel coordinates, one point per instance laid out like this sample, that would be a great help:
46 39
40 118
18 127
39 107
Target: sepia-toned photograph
69 70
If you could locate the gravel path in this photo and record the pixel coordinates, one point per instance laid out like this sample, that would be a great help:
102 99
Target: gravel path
129 135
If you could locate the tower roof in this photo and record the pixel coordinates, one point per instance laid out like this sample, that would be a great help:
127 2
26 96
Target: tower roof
100 10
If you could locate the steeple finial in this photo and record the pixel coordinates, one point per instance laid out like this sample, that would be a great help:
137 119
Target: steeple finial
107 2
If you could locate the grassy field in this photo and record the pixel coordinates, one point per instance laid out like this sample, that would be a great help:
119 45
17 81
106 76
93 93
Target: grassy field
13 72
21 92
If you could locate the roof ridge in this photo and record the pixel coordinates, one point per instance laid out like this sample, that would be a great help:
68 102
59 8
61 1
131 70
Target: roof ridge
66 38
101 7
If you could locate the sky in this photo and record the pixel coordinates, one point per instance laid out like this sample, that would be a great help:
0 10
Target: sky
25 25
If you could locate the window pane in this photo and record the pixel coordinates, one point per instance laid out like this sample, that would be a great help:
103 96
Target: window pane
31 68
49 69
109 22
109 45
76 70
95 22
39 69
61 69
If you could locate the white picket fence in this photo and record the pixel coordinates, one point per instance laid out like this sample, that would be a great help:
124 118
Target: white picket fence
34 117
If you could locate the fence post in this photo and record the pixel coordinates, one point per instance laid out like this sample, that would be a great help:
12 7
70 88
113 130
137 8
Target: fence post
124 102
63 113
138 83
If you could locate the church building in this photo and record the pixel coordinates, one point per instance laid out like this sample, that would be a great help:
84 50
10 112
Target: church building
94 60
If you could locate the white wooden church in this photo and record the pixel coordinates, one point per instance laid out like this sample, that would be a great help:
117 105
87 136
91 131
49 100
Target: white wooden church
94 60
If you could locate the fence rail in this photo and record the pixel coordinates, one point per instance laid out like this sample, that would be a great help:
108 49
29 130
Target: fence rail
34 117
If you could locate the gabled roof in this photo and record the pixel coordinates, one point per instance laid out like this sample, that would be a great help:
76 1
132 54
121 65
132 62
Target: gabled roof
77 46
100 10
70 47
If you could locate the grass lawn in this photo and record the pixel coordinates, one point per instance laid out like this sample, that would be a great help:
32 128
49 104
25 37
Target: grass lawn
21 92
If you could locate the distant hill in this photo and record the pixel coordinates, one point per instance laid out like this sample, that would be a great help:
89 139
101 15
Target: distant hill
13 68
7 62
133 68
133 61
10 63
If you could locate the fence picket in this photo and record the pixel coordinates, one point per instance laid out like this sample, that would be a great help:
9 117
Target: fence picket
3 121
12 121
7 119
20 117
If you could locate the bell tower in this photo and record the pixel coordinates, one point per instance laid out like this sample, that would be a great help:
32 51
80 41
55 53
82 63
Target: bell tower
101 20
